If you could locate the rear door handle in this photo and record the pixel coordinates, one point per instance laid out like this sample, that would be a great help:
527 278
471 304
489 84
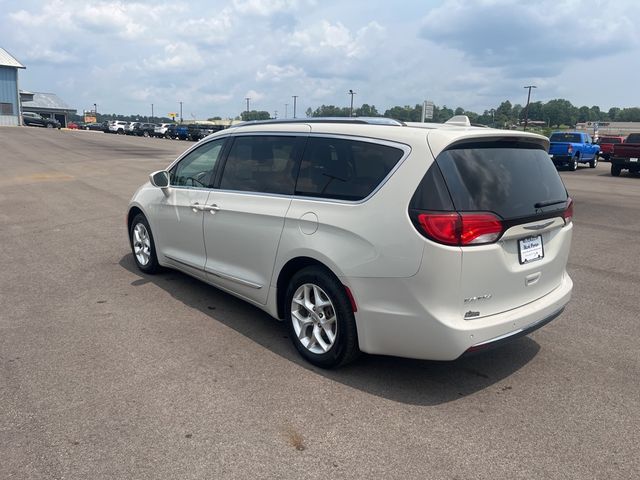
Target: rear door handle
211 208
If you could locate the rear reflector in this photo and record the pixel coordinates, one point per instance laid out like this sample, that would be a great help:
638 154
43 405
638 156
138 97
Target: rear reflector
460 229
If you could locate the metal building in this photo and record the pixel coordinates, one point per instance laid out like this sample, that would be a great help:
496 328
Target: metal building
10 114
48 105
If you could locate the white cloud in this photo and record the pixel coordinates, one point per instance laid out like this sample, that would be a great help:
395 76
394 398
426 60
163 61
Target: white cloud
275 73
269 7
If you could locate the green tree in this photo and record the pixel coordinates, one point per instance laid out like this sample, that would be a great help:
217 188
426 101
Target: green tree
367 110
255 115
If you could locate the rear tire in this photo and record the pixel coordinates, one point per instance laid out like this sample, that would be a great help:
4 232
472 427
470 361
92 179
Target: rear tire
574 165
49 125
615 170
320 318
594 163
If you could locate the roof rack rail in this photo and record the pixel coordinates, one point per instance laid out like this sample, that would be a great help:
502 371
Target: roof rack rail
353 120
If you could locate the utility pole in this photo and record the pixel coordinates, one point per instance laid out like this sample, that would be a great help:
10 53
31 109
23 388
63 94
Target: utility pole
526 110
352 93
286 110
247 99
295 98
275 114
151 112
180 112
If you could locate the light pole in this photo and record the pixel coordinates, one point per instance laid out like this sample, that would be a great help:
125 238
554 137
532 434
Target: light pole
352 93
180 112
247 99
151 112
295 98
493 118
526 110
286 110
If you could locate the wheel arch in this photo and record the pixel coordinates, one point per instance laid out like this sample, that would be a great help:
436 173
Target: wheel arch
289 269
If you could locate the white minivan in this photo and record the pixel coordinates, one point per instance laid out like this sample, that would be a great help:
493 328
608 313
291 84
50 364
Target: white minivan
428 241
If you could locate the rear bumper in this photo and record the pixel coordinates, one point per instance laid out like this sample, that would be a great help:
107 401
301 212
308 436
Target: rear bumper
561 159
508 337
394 319
625 162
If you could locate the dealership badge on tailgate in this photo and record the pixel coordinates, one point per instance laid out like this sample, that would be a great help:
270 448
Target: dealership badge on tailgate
530 249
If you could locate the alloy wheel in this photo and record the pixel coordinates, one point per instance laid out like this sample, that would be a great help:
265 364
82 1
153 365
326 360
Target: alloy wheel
314 319
141 244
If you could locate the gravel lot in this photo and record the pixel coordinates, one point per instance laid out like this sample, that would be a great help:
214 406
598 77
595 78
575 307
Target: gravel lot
109 374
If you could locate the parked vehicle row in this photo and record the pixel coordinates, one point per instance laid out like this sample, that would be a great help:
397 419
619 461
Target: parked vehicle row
192 131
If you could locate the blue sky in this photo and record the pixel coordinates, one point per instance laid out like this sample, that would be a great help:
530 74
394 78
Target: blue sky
211 55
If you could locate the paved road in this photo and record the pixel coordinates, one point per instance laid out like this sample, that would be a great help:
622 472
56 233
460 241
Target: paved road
109 374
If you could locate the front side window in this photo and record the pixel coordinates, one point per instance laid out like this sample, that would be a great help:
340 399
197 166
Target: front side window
261 163
197 169
344 169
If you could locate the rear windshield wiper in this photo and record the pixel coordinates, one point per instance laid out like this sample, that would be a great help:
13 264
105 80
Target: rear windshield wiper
548 203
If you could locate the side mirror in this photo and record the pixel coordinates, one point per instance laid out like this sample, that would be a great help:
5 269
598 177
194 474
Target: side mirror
159 179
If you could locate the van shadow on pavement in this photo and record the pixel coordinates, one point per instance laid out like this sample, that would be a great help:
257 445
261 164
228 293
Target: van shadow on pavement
415 382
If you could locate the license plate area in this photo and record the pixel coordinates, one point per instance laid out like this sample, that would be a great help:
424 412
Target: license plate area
530 249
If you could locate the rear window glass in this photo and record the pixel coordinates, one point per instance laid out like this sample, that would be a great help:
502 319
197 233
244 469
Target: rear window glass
507 178
610 140
566 137
344 169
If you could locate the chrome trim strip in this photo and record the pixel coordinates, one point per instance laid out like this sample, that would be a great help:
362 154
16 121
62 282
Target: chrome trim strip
231 278
169 257
539 226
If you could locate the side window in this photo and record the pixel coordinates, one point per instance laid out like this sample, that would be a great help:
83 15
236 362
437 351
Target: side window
198 167
261 164
344 169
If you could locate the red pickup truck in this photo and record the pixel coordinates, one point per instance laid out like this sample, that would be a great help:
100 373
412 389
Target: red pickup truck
626 155
606 146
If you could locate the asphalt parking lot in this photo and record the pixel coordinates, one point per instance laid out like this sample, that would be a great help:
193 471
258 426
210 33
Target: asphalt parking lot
106 373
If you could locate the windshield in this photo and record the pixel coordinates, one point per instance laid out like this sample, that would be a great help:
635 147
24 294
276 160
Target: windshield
566 137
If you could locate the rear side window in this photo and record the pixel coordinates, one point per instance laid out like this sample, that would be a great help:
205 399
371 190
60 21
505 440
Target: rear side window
511 179
344 169
265 164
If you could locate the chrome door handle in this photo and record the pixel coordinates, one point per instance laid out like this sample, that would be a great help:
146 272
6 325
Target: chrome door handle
196 207
211 208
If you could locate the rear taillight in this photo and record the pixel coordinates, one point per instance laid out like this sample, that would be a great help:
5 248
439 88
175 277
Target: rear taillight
570 149
568 212
460 229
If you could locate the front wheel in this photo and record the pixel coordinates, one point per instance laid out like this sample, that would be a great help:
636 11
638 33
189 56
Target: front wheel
615 170
49 125
594 163
142 245
320 318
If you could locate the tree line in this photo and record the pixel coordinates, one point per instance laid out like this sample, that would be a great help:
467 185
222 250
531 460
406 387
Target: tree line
553 113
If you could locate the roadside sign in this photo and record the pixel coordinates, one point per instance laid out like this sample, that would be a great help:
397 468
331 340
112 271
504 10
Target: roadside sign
427 110
172 115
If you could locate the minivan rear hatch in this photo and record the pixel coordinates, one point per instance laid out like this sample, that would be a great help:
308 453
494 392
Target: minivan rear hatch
510 212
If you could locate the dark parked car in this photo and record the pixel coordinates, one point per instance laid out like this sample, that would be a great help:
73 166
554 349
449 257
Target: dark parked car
143 129
94 126
199 131
34 120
